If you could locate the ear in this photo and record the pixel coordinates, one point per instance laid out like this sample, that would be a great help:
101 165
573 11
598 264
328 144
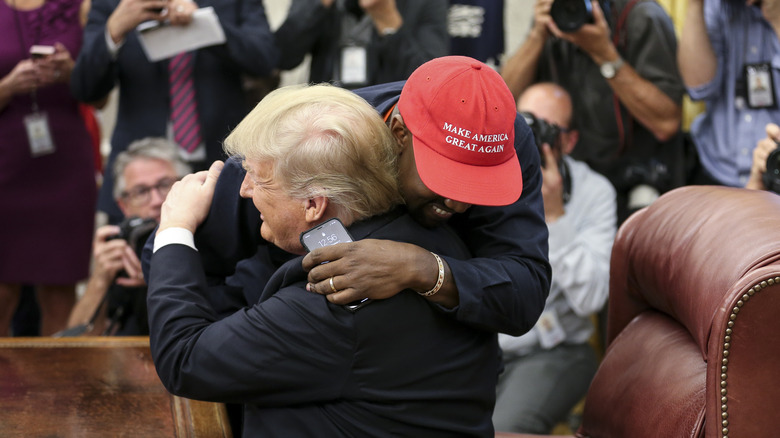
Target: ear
315 208
400 132
571 140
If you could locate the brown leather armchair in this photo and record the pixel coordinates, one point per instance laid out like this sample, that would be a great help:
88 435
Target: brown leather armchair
693 330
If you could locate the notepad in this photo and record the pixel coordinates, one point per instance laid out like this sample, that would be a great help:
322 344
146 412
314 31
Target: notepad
161 40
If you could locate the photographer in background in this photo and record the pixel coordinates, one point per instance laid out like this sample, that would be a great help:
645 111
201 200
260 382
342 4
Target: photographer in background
765 172
548 370
728 59
356 43
114 302
617 61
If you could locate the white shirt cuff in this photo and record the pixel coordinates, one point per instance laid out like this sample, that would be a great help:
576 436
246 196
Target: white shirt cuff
174 235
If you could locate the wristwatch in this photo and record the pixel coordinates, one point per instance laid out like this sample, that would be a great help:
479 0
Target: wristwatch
609 69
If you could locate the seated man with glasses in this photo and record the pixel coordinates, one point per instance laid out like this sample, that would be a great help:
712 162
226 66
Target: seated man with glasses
114 302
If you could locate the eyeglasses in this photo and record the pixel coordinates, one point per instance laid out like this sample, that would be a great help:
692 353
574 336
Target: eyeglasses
140 195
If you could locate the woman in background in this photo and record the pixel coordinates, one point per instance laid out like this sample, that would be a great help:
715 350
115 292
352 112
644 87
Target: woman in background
47 178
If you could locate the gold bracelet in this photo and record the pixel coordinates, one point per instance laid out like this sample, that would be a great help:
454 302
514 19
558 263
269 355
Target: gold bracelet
439 281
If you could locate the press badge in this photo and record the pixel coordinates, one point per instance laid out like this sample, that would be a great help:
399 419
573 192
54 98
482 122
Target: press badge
549 328
38 134
354 65
760 86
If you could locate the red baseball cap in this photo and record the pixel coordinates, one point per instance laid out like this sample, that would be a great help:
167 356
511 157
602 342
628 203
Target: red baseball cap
461 115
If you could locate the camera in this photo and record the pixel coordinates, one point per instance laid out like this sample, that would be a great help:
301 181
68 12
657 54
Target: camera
543 131
570 15
653 173
135 231
771 177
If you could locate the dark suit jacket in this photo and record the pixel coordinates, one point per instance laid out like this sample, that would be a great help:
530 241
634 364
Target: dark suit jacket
306 367
143 109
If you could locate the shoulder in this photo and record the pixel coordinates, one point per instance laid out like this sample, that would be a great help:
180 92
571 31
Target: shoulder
381 96
441 239
644 13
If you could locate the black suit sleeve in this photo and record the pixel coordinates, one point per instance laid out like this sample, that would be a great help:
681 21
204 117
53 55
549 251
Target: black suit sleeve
249 42
95 72
265 354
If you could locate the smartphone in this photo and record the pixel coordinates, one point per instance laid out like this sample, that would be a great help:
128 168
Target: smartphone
39 51
329 233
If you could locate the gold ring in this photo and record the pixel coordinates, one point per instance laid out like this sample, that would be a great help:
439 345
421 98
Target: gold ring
332 287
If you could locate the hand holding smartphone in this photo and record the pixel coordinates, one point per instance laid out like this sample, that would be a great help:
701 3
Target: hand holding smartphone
40 51
329 233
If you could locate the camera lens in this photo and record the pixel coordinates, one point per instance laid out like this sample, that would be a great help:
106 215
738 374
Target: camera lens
570 15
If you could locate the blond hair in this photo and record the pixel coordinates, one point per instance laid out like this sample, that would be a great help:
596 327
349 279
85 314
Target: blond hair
323 141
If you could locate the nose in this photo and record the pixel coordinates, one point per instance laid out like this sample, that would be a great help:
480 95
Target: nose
246 187
457 207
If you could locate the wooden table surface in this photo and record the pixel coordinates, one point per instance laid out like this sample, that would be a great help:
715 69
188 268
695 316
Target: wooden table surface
94 387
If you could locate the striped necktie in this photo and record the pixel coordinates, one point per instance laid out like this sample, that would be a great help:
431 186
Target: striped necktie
184 111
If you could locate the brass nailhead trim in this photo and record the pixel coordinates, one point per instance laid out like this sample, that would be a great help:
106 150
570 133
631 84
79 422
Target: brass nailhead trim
727 344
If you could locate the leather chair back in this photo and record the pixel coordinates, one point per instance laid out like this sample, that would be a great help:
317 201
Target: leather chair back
693 333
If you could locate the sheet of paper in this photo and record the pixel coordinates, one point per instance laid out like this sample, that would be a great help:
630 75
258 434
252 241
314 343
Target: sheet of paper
161 41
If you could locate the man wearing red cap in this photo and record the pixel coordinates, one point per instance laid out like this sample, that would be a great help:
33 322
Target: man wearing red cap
465 160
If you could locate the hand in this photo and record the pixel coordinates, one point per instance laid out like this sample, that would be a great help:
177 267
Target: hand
594 38
109 255
762 150
130 13
189 200
180 12
552 187
542 18
367 268
55 68
132 267
384 13
22 79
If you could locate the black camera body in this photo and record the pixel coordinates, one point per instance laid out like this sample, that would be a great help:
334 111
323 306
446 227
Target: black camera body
570 15
771 177
652 173
135 231
545 132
